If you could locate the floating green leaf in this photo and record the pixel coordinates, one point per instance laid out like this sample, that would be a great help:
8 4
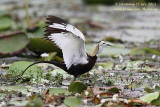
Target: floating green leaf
13 43
39 46
17 68
57 91
150 97
157 89
5 23
77 87
113 90
148 90
156 101
142 51
108 66
22 89
73 101
35 32
36 102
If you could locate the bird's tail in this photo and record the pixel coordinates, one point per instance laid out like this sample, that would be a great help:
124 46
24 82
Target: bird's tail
58 64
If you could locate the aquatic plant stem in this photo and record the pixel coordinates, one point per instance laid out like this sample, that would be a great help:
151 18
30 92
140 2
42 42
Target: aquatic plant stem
27 14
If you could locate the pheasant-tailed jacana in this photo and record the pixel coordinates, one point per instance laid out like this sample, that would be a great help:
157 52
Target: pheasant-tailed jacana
72 43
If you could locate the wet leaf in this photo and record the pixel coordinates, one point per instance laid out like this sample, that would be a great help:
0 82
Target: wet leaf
5 23
148 90
142 51
77 87
18 67
40 46
156 101
22 89
73 101
57 91
13 43
35 102
108 66
150 97
35 32
157 88
113 90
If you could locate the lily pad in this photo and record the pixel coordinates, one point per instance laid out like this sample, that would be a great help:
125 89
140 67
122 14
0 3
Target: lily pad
148 90
73 101
150 97
108 66
13 43
22 89
57 91
156 101
40 46
77 87
35 32
5 23
17 68
113 90
35 102
142 51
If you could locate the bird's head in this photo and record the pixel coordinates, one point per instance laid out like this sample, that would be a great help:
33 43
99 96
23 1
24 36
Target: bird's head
100 46
104 44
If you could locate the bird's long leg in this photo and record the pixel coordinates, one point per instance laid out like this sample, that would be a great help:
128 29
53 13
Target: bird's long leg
74 79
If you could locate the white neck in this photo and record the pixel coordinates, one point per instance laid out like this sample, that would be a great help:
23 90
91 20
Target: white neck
100 50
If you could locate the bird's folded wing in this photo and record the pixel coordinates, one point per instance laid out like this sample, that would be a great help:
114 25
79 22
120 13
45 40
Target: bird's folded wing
69 39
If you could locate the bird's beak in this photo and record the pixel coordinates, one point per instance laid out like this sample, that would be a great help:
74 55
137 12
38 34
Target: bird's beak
108 44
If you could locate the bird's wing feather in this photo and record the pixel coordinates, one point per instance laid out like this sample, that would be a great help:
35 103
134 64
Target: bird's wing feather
69 39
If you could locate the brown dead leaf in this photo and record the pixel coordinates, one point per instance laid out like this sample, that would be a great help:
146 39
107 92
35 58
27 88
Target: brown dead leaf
106 94
52 99
137 101
96 100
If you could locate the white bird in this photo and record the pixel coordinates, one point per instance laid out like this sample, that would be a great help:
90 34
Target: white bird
72 43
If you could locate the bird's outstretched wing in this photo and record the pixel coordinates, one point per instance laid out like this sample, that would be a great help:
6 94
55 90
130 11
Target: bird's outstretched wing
69 39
